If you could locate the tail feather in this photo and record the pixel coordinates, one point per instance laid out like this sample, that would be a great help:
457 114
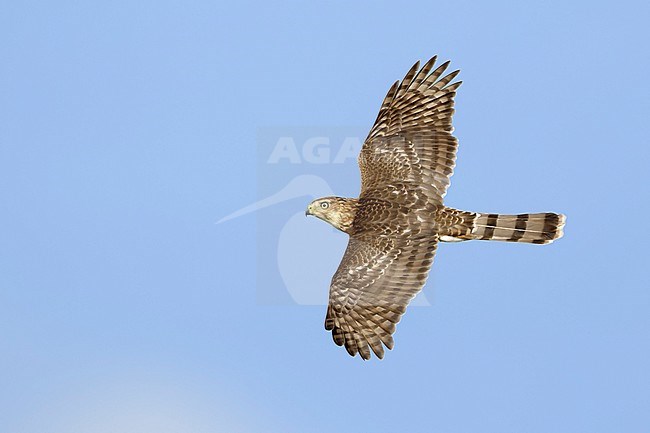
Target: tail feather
535 228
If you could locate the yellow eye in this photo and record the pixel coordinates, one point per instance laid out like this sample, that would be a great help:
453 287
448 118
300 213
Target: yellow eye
324 205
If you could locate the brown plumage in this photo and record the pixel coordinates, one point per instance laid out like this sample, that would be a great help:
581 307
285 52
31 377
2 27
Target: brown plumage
394 226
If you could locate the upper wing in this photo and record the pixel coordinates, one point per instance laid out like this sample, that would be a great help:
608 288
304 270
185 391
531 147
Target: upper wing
411 139
374 283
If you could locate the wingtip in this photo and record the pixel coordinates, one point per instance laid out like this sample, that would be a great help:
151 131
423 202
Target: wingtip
433 59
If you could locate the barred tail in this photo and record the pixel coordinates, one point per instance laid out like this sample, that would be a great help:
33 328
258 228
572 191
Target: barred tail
534 228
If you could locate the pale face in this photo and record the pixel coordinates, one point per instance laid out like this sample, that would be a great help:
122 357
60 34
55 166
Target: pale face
337 211
321 208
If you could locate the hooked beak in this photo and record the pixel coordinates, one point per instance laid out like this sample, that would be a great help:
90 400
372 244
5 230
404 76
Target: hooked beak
309 210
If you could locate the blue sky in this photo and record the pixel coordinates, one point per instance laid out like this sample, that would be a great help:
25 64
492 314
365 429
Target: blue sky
127 130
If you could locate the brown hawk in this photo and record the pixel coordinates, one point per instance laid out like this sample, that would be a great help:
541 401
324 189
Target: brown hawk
395 224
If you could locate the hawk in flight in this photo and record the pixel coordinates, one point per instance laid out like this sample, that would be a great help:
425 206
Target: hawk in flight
399 218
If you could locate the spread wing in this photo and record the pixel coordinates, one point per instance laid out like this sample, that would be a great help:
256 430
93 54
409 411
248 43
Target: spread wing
411 141
371 289
406 162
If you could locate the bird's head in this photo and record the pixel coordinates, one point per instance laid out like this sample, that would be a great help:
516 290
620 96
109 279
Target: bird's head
337 211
